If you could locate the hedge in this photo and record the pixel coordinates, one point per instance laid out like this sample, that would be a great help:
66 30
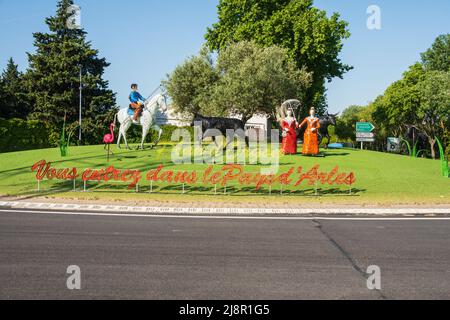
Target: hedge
19 134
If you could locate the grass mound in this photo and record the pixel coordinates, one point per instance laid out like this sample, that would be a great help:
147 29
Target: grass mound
381 178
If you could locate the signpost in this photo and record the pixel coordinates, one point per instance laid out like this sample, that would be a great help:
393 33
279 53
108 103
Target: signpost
364 133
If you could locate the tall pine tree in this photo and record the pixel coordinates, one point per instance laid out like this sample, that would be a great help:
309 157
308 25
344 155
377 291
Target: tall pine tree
3 109
13 102
2 97
53 79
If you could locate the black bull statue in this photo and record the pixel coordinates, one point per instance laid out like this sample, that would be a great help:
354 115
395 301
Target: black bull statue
224 124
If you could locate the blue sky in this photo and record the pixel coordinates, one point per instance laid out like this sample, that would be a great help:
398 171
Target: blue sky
145 39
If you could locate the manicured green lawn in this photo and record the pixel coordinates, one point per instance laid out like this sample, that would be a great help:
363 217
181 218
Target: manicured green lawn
381 179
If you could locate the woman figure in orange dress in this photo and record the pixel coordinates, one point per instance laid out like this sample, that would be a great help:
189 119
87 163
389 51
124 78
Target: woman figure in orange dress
289 125
311 139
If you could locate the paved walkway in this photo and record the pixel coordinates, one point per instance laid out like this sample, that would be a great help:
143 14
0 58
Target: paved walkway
93 208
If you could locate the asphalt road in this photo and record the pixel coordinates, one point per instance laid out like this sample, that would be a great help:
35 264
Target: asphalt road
173 258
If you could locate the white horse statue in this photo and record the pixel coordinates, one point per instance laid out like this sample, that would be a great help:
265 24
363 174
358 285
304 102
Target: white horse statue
147 120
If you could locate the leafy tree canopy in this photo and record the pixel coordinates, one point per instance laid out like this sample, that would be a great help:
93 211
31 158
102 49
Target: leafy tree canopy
401 100
258 80
312 39
247 79
434 107
438 56
346 126
191 84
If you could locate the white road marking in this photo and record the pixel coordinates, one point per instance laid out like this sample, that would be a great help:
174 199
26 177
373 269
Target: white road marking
97 214
413 212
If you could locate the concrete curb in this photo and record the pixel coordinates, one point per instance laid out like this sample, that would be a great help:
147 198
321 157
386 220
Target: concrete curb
226 211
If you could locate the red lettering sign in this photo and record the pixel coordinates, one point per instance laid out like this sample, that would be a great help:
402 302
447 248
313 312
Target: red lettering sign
226 175
44 170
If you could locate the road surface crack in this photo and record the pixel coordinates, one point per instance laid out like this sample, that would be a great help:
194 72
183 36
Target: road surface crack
346 255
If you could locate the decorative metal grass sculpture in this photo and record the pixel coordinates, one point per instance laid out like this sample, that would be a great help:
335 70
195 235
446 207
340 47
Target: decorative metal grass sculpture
65 143
444 161
413 152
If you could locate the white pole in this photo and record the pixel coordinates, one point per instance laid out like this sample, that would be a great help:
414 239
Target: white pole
81 99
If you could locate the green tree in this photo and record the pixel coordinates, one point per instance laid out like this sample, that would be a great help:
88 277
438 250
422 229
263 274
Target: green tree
384 127
434 108
246 79
53 78
312 39
398 106
191 84
13 102
421 98
257 80
437 58
2 98
346 124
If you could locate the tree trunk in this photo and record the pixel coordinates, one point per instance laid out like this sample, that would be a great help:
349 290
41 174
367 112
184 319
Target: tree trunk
432 144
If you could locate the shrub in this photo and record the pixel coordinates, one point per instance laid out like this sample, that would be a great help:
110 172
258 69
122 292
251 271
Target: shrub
18 135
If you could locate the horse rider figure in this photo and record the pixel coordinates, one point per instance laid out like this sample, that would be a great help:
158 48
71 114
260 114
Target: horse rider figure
137 102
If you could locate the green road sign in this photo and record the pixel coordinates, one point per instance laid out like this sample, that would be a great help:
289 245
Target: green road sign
364 127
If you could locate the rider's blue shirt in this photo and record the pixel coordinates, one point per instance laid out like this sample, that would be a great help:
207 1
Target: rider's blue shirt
136 97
